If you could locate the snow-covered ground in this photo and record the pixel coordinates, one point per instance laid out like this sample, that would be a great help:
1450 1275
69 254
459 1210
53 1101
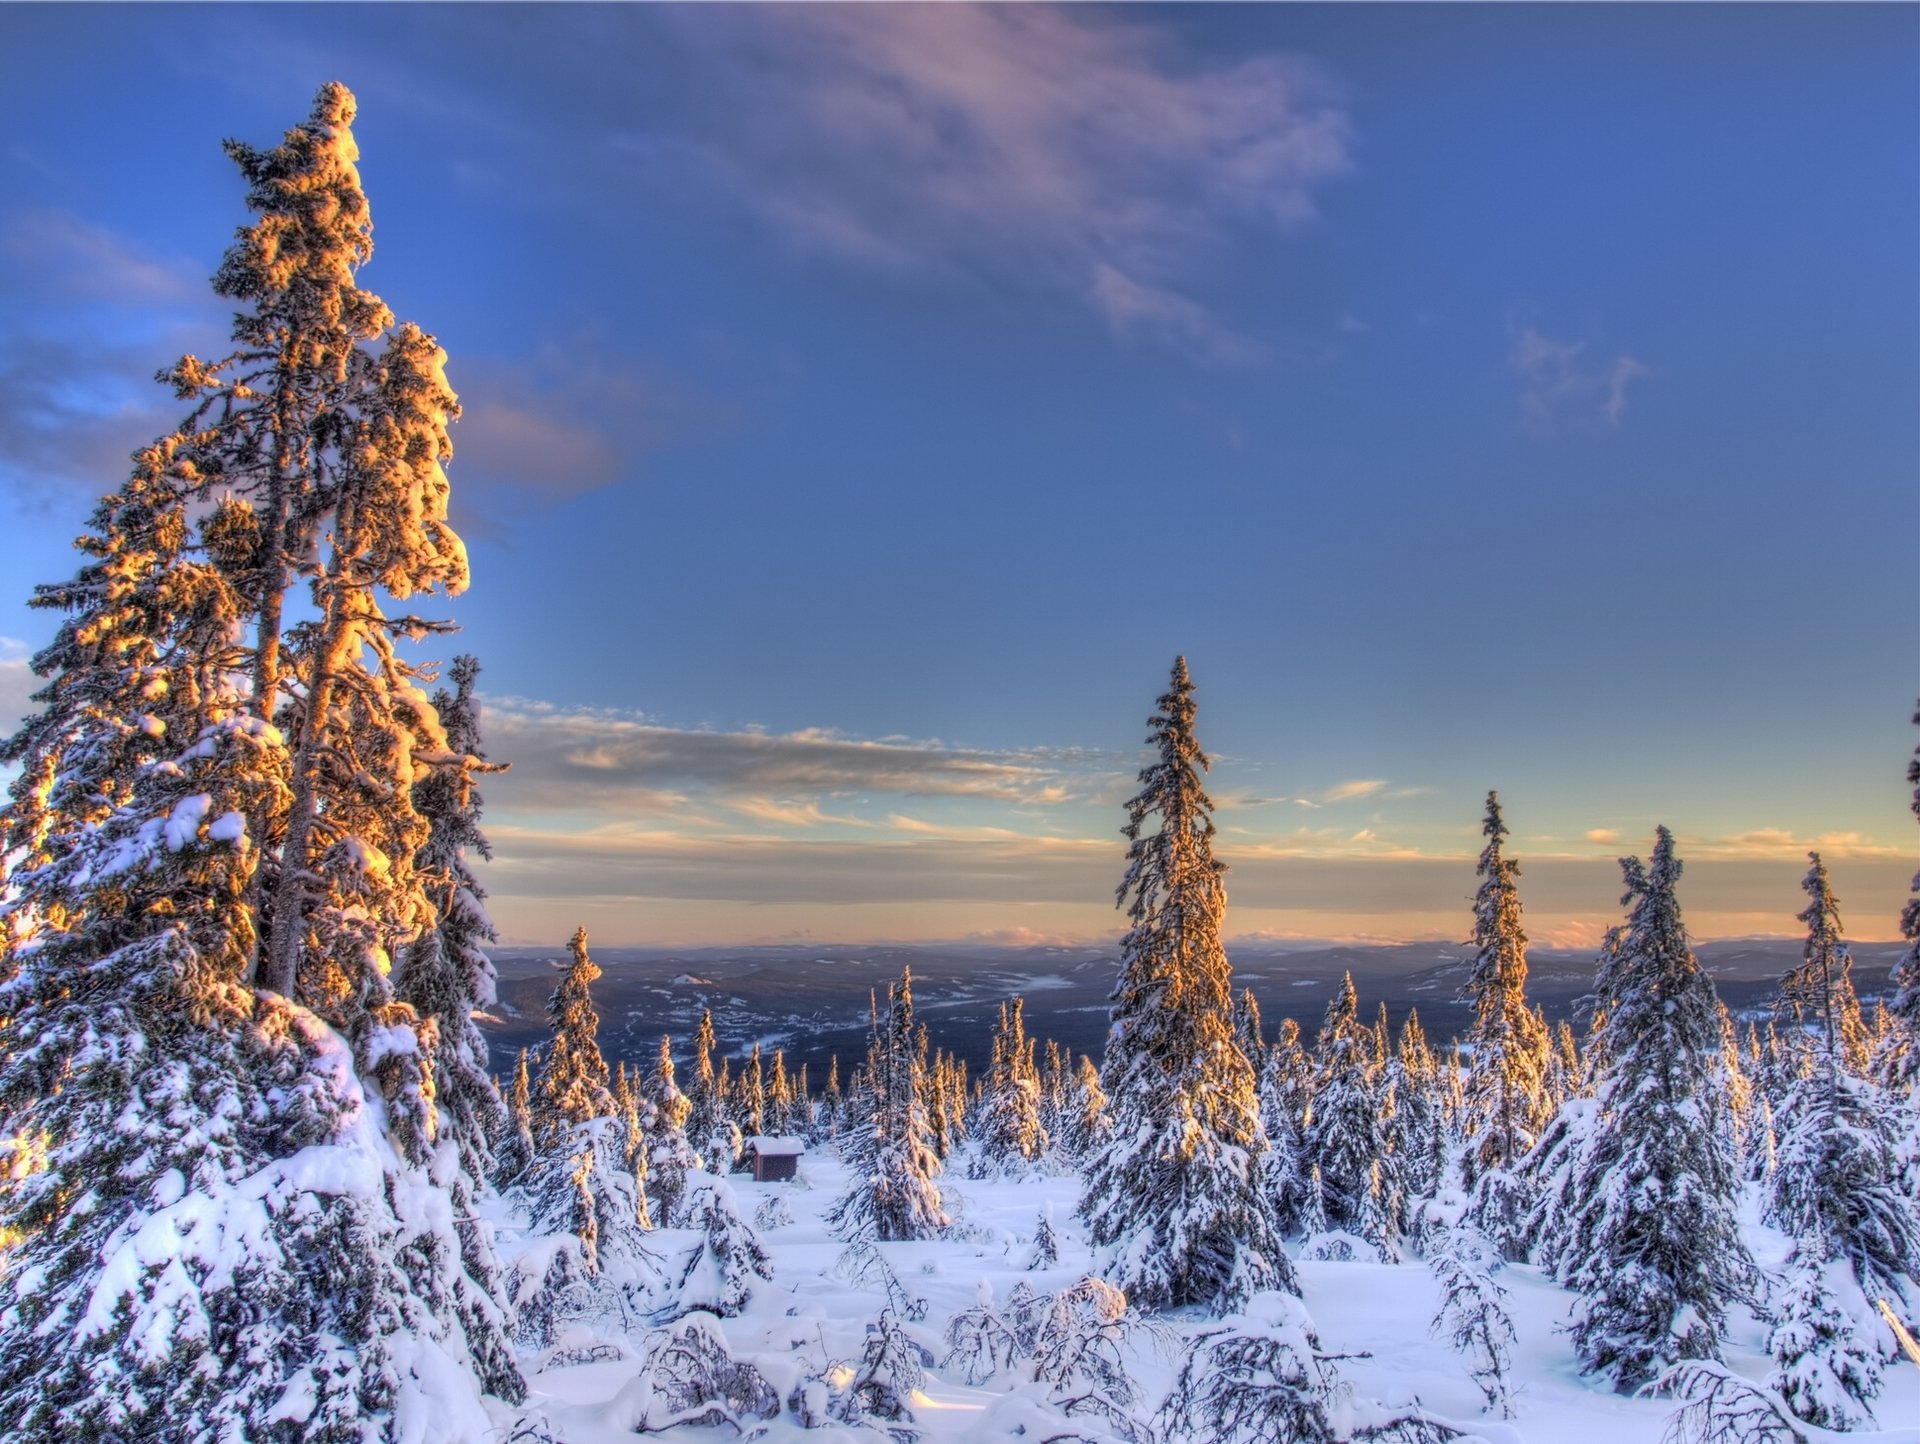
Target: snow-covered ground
1376 1316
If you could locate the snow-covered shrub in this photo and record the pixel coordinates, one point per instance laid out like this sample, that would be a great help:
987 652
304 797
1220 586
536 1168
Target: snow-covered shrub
773 1213
1719 1407
881 1385
1046 1243
1338 1246
1078 1339
862 1264
550 1286
716 1275
1473 1316
687 1376
1260 1382
980 1343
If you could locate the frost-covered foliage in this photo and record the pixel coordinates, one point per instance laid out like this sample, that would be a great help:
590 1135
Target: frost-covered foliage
687 1377
1174 1194
234 1191
772 1213
1473 1317
1506 1103
1261 1381
1078 1341
1826 1367
717 1274
892 1192
1648 1233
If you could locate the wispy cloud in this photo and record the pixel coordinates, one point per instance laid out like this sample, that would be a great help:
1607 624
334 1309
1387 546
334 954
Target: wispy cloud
97 316
1781 842
1348 791
597 759
1560 378
1080 152
55 255
1606 835
564 421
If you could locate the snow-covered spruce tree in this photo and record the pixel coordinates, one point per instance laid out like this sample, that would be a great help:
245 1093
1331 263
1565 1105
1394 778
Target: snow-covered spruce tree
1415 1129
1008 1136
1247 1029
1897 1056
580 1188
1651 1244
191 861
1089 1120
673 1157
514 1151
780 1111
1286 1085
710 1126
1506 1103
1836 1169
446 975
1174 1195
1345 1129
574 1082
1826 1367
891 1190
750 1102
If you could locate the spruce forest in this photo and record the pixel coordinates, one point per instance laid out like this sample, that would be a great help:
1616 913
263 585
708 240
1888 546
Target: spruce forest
262 1179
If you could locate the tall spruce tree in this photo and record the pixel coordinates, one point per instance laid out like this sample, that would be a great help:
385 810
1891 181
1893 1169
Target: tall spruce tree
214 860
1835 1183
892 1189
447 975
1897 1055
1506 1103
1345 1126
1009 1136
574 1081
1174 1195
1650 1237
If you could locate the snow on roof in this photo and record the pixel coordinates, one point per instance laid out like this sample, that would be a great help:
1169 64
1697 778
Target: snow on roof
777 1147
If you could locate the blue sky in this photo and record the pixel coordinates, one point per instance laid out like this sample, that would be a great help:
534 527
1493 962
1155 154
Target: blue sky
865 404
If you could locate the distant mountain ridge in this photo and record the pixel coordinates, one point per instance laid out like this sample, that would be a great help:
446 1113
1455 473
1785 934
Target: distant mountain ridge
811 999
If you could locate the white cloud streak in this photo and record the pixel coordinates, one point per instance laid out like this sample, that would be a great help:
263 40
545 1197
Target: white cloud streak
1558 379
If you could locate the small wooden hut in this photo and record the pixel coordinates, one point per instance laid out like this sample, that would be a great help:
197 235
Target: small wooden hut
775 1159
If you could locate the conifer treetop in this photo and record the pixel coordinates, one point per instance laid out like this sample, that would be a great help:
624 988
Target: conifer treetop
574 1084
